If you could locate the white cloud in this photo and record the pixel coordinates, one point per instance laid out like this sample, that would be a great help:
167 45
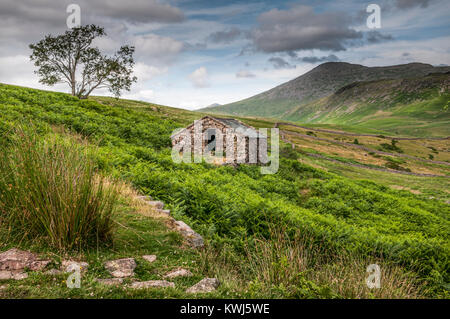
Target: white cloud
244 74
152 47
200 78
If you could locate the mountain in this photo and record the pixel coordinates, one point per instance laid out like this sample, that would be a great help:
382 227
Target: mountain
318 83
414 106
213 105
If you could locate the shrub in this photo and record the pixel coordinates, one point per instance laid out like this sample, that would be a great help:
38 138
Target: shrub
49 192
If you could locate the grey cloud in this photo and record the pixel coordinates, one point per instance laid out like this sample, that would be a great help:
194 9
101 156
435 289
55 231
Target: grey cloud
314 59
376 37
138 11
300 28
280 63
245 74
407 4
225 36
27 20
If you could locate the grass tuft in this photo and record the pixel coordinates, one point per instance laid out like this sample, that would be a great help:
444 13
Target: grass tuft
50 192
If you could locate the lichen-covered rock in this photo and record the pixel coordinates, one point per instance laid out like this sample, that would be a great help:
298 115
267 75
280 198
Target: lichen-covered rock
191 236
152 284
149 258
204 285
178 273
16 275
15 259
121 268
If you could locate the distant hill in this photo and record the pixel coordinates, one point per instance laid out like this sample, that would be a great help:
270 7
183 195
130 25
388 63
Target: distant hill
322 81
414 106
214 105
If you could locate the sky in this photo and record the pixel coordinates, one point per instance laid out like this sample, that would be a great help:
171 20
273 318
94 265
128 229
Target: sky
191 54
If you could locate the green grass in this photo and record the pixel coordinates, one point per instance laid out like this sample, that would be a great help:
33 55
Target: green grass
49 192
231 206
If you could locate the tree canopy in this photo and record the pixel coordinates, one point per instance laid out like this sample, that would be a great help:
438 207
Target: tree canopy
70 58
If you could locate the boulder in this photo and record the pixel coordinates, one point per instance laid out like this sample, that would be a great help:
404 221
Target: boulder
191 236
156 204
16 275
165 211
152 284
15 259
204 285
149 258
121 268
178 273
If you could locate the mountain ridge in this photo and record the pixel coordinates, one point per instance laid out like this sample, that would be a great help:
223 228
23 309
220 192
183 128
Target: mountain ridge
318 83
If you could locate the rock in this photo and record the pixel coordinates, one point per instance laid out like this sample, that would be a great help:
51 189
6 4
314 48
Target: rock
110 281
121 267
204 285
156 204
20 276
71 265
178 273
165 211
16 275
152 284
15 259
149 258
191 236
3 287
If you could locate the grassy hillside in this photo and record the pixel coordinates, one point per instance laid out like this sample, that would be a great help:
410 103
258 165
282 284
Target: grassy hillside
254 224
318 83
414 106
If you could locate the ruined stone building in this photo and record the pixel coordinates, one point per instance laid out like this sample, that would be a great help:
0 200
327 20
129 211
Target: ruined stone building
228 140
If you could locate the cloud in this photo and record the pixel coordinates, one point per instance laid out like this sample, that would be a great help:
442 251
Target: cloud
245 74
407 4
226 36
314 59
280 63
200 78
300 28
146 72
156 49
376 37
137 11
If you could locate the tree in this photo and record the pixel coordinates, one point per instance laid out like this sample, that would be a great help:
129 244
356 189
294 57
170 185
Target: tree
70 58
